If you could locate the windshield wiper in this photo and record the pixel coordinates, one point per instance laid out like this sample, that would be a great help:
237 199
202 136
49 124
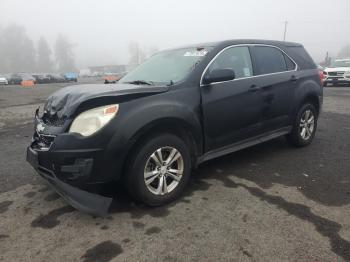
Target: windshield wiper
140 82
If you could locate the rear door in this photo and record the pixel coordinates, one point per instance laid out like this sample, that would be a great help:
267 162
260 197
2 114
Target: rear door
231 109
278 80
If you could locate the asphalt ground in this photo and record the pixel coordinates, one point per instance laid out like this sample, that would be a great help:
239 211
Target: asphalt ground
270 202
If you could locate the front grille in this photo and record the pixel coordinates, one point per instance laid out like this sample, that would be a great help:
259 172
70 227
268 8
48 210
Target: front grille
53 120
42 142
336 73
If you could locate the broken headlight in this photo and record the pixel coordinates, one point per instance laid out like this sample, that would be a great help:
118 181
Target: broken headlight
90 121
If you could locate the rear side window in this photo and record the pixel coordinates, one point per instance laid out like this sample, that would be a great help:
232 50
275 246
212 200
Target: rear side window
301 57
269 60
236 58
290 64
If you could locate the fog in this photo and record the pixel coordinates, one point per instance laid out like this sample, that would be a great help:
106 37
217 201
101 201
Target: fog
101 31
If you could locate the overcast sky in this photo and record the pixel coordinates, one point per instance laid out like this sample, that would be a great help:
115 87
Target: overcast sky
102 29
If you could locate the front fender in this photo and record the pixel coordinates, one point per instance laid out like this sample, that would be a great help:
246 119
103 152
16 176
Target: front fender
146 115
179 107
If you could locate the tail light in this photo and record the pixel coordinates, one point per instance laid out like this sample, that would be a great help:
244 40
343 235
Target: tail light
321 75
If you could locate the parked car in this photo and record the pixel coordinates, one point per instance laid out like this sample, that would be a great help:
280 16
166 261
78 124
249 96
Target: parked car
56 78
14 79
17 78
177 110
71 77
337 73
111 78
26 76
3 80
41 78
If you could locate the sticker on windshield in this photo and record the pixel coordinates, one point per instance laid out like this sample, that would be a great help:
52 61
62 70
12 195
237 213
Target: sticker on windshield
196 53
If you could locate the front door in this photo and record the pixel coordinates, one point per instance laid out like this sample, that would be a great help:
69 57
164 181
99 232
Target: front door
231 109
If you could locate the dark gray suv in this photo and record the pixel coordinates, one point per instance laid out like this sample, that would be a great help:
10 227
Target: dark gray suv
176 110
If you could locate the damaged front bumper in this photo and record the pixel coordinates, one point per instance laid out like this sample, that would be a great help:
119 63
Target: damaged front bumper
71 168
80 199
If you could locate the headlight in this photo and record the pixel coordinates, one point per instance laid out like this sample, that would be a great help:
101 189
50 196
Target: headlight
325 73
90 121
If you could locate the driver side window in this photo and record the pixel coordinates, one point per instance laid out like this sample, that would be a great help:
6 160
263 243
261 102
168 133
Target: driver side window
235 58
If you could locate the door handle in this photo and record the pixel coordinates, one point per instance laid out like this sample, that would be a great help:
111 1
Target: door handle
254 88
294 78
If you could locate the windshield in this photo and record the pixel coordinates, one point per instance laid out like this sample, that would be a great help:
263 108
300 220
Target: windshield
341 63
167 67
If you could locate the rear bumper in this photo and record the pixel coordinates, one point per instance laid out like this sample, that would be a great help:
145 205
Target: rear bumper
80 199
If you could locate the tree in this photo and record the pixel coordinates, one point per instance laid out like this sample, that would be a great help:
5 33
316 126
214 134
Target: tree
28 56
44 63
345 52
64 54
17 50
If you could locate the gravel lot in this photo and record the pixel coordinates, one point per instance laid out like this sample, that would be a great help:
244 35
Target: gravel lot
270 202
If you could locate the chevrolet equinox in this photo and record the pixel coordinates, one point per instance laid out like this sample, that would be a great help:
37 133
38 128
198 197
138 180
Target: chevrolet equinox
179 108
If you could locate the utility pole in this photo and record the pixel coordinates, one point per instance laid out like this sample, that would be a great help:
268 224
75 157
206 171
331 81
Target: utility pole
285 30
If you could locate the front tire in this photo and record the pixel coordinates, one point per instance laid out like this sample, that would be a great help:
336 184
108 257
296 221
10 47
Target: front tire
158 170
304 127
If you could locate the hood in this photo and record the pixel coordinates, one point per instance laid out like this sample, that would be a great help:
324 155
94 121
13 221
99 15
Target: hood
65 101
337 69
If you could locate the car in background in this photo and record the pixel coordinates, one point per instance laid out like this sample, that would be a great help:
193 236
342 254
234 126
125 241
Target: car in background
56 78
71 77
14 79
41 78
3 80
17 78
337 73
111 78
26 77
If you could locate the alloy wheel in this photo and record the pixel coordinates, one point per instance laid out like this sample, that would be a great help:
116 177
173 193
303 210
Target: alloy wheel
307 125
164 170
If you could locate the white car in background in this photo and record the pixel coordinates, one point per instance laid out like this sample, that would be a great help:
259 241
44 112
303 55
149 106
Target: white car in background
337 73
3 80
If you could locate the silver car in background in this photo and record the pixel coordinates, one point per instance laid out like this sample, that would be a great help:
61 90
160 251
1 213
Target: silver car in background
3 80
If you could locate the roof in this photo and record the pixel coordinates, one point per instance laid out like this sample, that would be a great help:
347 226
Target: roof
242 41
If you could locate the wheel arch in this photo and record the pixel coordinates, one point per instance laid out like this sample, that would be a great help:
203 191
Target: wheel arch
307 91
313 99
170 125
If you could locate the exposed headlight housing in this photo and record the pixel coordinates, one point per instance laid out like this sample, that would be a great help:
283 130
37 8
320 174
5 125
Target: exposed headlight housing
90 121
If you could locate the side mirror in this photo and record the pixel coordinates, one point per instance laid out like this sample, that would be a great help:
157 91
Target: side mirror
219 75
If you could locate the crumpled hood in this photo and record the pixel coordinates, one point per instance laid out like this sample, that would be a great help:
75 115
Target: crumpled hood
65 101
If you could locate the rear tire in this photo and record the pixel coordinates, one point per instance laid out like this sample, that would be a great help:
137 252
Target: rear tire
304 126
158 170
